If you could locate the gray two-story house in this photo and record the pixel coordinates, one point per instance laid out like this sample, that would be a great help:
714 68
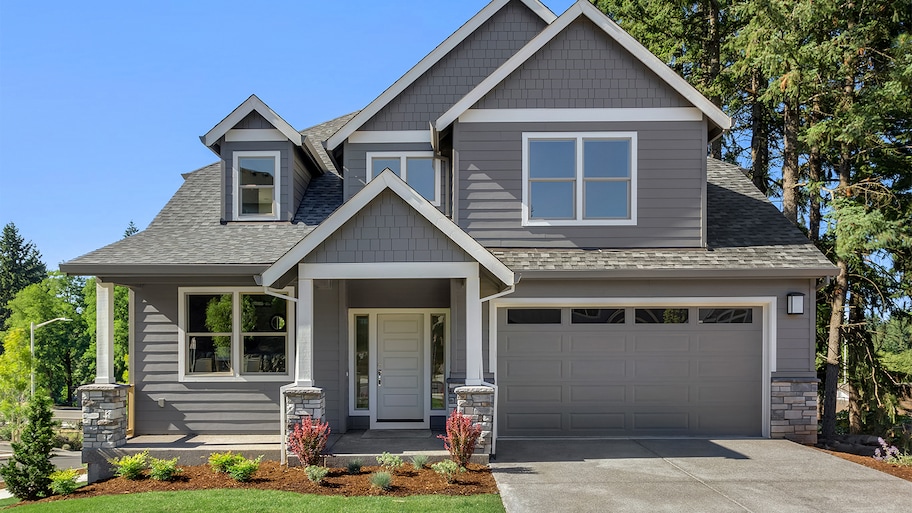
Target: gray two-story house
525 226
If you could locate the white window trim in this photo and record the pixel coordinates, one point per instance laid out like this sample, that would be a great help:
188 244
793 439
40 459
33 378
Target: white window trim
236 356
578 178
276 186
403 156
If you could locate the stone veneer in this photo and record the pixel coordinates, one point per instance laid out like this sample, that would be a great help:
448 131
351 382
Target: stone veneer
793 409
302 402
104 416
478 402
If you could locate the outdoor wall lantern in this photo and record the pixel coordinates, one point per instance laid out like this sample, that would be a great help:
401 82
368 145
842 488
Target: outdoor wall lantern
795 303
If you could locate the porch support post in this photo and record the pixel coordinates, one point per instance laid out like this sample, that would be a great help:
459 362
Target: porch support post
474 354
304 334
104 333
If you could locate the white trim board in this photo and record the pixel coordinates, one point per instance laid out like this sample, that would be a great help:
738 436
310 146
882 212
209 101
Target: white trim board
390 136
768 305
240 112
427 62
669 114
254 135
612 30
386 180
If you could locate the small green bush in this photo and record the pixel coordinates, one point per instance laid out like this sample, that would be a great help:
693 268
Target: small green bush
390 462
63 482
130 467
382 480
316 473
244 470
164 470
354 467
419 461
220 461
449 469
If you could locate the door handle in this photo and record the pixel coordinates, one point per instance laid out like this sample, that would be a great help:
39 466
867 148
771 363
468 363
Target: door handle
379 377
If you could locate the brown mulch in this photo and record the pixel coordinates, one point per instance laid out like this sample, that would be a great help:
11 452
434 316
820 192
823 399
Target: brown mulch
902 472
273 476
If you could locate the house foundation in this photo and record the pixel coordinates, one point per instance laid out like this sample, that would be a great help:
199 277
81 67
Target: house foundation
478 403
793 405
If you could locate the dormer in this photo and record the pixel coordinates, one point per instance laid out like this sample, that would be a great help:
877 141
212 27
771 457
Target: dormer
266 164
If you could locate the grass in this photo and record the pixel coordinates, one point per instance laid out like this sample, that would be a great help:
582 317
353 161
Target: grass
242 501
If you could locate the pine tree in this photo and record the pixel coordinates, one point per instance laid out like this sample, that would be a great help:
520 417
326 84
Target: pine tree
131 229
20 266
27 473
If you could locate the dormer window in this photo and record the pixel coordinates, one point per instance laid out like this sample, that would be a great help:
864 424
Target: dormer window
256 180
419 169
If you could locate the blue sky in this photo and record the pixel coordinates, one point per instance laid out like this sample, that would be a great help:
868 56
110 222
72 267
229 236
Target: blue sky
102 103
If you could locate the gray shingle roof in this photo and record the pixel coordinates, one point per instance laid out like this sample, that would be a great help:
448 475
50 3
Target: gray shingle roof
746 233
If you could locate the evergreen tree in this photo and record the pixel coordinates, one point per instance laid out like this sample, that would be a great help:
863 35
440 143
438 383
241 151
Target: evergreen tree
131 230
20 266
27 473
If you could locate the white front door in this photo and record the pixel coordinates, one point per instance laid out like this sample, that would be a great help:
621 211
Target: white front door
400 368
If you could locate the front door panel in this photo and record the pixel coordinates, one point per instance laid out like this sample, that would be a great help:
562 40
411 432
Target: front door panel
400 367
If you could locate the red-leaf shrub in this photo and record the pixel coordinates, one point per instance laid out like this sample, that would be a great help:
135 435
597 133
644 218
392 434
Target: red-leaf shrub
460 438
308 439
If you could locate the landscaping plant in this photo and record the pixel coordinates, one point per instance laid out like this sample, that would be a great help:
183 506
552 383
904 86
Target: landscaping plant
890 454
244 470
130 467
164 470
461 436
27 474
220 461
419 461
308 439
354 466
63 482
390 462
448 469
316 473
382 480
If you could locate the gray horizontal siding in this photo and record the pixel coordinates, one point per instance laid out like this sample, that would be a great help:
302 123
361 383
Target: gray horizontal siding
459 71
388 230
670 175
582 68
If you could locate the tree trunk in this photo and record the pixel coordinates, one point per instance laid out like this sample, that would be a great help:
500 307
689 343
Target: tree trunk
759 137
834 346
713 49
815 175
790 164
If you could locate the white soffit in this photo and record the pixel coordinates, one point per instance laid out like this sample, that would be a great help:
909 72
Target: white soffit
584 8
429 60
251 104
385 180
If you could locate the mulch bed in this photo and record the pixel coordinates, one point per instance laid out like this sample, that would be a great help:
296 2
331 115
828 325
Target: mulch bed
902 472
273 476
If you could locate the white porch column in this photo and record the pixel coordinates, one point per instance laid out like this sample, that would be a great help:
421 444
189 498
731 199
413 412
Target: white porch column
104 333
474 358
304 317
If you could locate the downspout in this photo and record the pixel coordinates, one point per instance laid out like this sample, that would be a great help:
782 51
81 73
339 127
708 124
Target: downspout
282 413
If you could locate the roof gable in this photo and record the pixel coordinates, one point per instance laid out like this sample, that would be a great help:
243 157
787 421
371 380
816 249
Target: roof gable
251 104
583 8
429 61
385 181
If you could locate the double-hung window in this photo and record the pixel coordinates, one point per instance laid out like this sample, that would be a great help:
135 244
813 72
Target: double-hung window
579 178
256 182
419 169
239 334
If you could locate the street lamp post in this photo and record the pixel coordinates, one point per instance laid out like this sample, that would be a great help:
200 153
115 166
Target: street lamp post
32 345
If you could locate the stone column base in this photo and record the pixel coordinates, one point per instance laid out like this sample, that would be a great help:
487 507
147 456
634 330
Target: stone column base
793 409
478 402
104 424
300 402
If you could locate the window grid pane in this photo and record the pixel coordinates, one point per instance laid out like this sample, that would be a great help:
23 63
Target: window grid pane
421 176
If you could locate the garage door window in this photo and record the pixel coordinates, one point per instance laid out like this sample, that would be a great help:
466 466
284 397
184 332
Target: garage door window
726 316
661 316
534 316
598 316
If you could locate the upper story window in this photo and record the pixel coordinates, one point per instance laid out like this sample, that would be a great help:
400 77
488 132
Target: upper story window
256 182
419 169
579 178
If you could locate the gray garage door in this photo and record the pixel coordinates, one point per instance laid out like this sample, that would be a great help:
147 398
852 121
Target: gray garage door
629 372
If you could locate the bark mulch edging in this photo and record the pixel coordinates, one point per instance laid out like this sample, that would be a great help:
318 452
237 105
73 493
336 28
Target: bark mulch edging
902 472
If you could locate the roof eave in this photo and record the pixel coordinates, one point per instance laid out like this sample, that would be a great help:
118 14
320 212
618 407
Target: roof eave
683 274
161 270
252 103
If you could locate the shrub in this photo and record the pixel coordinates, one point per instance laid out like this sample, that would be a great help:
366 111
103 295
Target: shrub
390 462
382 480
354 466
448 469
164 470
419 461
890 454
28 472
130 467
68 440
244 470
316 473
63 482
308 439
220 461
461 436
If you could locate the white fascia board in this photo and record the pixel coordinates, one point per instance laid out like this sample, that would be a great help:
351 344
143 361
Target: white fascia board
576 115
392 136
253 103
425 64
584 8
386 180
309 145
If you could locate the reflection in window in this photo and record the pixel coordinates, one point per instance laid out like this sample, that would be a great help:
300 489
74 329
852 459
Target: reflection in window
726 315
533 316
438 362
661 315
597 316
209 327
418 169
263 329
362 355
256 176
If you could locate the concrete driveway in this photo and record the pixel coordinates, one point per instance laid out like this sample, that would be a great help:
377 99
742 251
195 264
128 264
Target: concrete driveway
688 475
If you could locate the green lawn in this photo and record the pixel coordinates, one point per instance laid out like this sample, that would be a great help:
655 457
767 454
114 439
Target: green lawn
263 501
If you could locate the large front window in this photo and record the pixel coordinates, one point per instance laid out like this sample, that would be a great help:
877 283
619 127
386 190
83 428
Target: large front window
234 334
418 169
579 178
256 177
